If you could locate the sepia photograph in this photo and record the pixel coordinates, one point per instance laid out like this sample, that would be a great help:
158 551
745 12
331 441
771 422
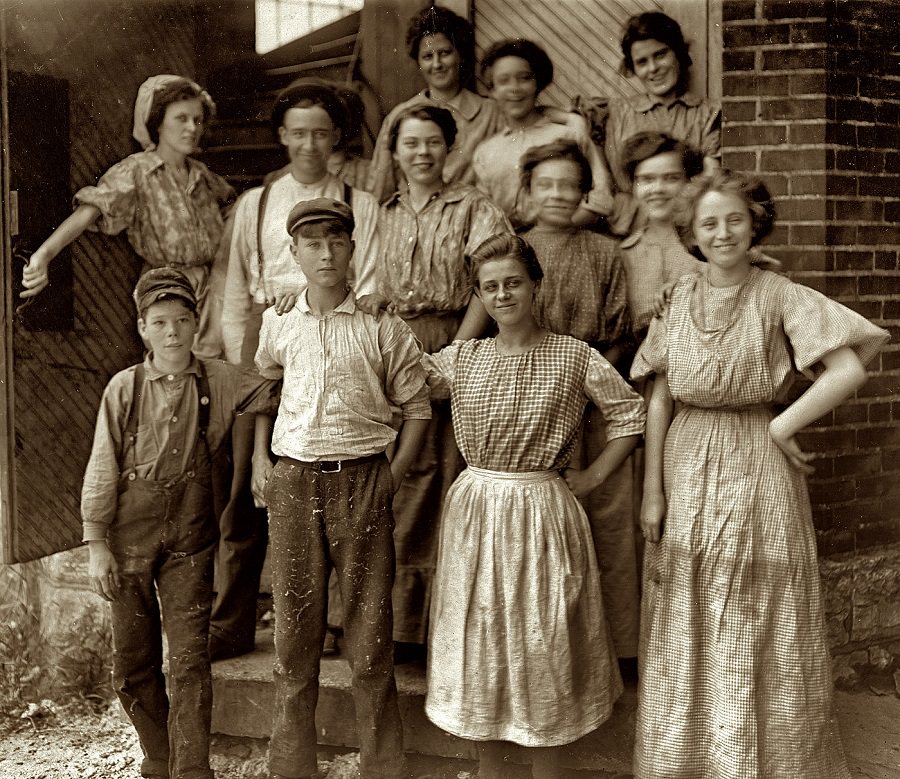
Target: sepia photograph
450 389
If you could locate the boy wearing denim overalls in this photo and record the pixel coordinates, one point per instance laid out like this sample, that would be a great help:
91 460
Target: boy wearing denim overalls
149 521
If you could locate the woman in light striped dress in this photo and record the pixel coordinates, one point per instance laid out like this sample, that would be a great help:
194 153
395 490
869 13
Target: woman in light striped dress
735 674
519 649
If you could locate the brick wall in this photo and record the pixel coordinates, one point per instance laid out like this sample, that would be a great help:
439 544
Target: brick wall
811 103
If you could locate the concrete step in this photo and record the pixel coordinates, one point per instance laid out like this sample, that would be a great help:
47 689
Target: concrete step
243 699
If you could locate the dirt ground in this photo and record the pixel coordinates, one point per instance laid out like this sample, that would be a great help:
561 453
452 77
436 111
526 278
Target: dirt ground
62 745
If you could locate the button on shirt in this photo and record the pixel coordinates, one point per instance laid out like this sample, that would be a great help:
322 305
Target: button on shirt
168 420
342 373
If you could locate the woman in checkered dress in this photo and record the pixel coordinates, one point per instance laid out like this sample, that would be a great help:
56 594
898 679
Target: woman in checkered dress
519 649
735 673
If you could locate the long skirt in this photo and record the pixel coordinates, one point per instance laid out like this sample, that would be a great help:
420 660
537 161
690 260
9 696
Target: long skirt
519 649
735 673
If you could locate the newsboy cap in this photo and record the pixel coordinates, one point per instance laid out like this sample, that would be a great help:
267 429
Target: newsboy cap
316 210
163 284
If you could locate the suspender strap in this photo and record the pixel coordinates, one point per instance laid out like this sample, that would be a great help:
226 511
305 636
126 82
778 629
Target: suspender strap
131 425
263 201
203 398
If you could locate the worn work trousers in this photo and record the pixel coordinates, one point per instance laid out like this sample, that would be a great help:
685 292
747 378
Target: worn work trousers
319 521
163 539
243 538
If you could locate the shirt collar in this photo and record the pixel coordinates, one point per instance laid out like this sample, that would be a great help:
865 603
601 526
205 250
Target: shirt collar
636 237
645 102
450 193
346 306
152 374
541 121
465 103
154 162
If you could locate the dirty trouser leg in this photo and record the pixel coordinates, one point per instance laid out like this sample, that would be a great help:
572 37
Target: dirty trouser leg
185 592
300 568
137 661
360 532
243 537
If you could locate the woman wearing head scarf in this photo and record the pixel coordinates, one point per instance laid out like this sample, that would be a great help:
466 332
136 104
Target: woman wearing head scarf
169 204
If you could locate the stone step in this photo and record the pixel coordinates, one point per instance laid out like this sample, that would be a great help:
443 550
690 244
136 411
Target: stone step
243 699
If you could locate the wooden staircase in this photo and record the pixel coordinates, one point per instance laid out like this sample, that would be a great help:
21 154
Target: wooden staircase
240 143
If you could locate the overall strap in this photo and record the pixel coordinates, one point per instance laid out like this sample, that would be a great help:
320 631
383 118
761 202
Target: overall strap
134 412
260 212
203 399
348 194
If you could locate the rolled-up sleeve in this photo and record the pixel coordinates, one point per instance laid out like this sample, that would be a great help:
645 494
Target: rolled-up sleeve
405 378
115 195
622 408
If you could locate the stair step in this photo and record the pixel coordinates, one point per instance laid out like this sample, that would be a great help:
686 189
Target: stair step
243 701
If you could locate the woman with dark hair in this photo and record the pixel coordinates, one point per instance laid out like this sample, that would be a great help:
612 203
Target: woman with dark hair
655 52
735 673
443 45
519 649
169 203
427 230
516 71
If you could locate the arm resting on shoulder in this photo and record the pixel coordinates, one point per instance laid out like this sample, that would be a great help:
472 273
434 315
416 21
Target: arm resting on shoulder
474 322
34 277
409 443
843 375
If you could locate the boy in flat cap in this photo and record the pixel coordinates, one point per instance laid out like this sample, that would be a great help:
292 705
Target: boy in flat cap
311 120
149 524
330 493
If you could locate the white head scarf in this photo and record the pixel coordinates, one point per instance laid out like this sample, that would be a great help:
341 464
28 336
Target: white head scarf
144 103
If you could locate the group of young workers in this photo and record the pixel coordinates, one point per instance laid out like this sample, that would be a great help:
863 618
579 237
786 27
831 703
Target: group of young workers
433 345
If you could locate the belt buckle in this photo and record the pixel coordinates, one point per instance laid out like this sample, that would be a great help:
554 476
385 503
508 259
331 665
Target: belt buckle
323 469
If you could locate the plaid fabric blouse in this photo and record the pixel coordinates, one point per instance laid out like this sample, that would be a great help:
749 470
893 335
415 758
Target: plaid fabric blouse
522 412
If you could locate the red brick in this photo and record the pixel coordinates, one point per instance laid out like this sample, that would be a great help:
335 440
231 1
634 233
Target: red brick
807 32
794 59
800 209
888 114
778 236
805 260
890 458
878 235
892 165
842 83
858 210
842 185
755 84
848 414
879 285
841 287
806 235
841 235
793 159
880 412
887 260
841 134
878 136
858 463
892 211
878 186
807 183
859 160
877 87
739 160
852 109
885 485
754 134
741 36
818 441
740 111
823 493
793 9
891 310
738 9
805 134
870 309
738 60
796 108
777 185
890 361
850 260
880 387
879 436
